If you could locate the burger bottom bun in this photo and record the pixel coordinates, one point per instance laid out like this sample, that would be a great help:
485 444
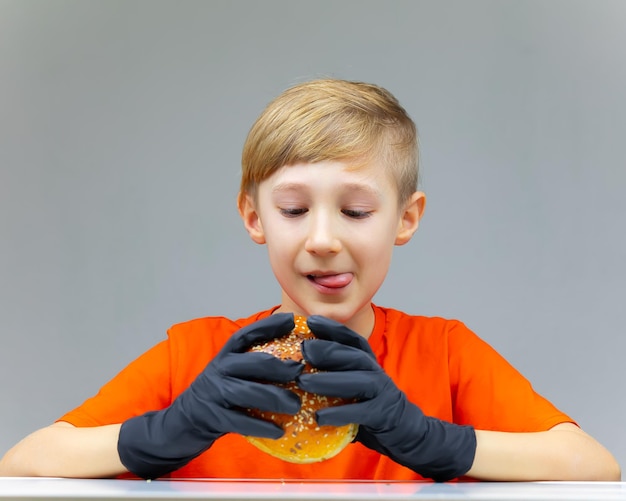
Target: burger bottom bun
304 440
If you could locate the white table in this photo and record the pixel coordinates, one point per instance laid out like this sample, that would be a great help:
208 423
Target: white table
36 489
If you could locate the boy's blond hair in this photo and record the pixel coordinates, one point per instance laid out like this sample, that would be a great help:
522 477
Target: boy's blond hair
337 120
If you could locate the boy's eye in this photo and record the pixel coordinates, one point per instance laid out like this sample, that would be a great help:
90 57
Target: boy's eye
292 212
356 214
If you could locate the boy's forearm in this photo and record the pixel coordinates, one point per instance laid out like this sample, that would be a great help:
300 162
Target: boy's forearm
62 450
563 453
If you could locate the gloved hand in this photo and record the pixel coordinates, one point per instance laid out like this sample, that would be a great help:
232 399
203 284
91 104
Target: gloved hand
388 422
156 443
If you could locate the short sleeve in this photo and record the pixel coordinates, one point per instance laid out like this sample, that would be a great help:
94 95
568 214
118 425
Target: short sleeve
153 380
489 393
143 385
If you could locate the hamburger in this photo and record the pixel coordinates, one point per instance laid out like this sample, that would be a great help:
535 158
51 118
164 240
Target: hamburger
304 440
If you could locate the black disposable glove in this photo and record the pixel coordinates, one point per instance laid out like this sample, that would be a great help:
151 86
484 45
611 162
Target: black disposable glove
156 443
388 422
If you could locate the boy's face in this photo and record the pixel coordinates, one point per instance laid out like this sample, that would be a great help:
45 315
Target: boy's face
330 232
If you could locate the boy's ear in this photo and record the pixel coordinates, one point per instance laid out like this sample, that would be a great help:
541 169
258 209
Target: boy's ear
250 217
410 217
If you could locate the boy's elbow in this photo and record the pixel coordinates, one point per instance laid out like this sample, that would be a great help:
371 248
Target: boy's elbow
603 468
609 469
8 466
614 471
583 457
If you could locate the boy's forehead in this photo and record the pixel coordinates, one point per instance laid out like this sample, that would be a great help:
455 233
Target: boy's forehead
363 177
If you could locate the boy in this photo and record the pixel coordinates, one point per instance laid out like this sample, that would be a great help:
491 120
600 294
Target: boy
329 184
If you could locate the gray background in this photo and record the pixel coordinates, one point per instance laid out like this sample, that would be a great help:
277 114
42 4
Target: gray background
121 126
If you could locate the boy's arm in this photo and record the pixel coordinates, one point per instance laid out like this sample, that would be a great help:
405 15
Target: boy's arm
62 450
565 453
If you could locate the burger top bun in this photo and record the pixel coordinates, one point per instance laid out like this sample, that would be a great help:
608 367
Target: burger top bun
304 440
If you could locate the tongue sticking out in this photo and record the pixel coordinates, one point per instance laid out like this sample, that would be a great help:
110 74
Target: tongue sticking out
334 281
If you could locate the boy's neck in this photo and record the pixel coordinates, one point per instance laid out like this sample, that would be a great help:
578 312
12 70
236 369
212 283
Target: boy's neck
362 322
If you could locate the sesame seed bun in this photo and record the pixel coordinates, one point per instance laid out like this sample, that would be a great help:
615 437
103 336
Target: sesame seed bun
304 440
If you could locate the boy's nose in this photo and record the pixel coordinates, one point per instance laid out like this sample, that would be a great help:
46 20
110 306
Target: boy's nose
322 238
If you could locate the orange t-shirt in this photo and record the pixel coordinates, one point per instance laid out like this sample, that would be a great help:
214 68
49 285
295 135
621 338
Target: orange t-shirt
440 364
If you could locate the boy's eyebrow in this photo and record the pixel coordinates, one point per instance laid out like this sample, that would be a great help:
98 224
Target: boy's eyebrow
365 189
288 187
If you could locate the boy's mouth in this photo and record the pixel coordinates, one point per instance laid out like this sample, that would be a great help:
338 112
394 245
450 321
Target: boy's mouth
331 280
